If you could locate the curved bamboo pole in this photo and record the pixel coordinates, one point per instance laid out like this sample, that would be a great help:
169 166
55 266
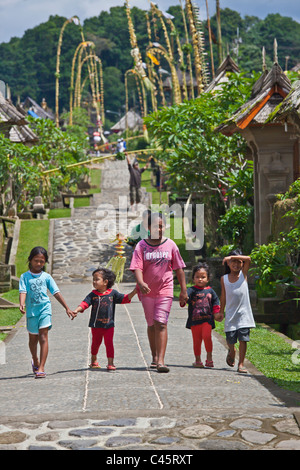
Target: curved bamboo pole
82 44
175 81
142 96
74 19
189 58
135 51
197 56
151 69
210 42
161 50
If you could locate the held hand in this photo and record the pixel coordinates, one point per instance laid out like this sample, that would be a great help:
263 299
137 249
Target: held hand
144 288
22 309
71 314
183 298
218 317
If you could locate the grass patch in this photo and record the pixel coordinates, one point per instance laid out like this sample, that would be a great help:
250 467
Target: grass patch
272 356
59 213
33 233
9 316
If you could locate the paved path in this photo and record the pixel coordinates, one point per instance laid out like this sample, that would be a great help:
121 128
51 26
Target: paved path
134 408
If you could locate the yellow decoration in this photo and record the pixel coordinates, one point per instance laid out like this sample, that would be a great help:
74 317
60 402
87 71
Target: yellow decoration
117 262
154 59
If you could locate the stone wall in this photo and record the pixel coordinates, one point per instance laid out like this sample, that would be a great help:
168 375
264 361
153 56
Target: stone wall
279 222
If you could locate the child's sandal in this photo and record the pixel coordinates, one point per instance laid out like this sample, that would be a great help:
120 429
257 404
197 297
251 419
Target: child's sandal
94 365
40 375
209 364
198 364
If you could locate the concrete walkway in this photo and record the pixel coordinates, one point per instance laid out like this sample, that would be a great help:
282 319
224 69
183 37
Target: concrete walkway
134 408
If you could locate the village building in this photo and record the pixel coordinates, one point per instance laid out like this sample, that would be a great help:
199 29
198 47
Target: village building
273 143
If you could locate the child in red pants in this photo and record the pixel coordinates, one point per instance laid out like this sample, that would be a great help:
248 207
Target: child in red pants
203 309
102 320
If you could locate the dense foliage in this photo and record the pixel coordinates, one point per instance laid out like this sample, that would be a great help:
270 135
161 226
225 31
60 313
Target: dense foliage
28 63
198 159
22 167
278 261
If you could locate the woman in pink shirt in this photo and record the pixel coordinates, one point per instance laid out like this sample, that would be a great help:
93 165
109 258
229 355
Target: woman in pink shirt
153 262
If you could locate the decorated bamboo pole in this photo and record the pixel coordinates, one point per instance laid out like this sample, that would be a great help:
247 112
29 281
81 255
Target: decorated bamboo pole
135 52
151 68
175 81
101 91
162 51
220 52
153 59
189 58
201 46
75 20
82 44
197 55
210 42
181 60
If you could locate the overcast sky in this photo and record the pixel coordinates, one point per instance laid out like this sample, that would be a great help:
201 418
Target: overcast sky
16 16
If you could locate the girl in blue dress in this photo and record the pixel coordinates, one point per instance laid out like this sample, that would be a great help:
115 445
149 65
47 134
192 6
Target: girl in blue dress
34 301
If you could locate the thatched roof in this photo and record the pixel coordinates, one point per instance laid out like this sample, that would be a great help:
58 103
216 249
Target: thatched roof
13 123
22 134
30 105
290 106
221 76
134 121
267 93
9 115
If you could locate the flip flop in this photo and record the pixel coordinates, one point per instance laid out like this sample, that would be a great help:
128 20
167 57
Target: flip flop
94 365
209 364
162 368
242 370
40 375
111 367
198 364
153 365
229 359
34 368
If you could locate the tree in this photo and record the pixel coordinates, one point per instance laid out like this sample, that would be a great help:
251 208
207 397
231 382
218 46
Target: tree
198 159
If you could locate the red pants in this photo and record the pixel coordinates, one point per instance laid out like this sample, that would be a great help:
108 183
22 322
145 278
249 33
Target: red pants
202 332
97 335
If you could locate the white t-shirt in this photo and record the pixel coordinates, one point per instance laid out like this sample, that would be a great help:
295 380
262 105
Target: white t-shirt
238 313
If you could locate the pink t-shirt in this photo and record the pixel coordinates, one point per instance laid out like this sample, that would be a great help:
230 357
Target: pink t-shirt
157 263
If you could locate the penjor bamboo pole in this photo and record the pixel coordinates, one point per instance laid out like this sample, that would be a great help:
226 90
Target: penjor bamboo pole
220 53
210 42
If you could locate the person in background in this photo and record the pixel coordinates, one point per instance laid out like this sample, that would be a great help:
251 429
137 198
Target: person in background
135 192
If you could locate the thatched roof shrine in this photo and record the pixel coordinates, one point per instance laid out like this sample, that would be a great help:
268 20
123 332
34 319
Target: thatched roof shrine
267 93
228 65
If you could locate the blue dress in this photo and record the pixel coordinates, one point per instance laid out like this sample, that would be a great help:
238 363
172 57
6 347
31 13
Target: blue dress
35 286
